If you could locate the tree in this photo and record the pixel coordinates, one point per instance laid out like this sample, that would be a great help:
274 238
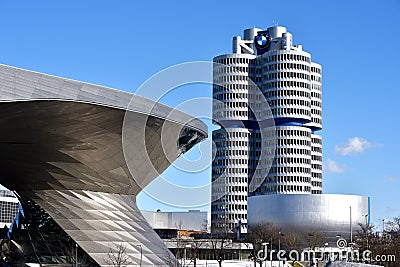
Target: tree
380 244
314 239
393 226
291 241
118 257
261 233
180 243
219 245
194 250
220 240
396 220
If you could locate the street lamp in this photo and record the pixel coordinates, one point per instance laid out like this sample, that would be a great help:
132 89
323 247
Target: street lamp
76 255
184 254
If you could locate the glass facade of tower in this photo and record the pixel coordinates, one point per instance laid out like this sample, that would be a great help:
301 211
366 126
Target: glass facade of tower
265 77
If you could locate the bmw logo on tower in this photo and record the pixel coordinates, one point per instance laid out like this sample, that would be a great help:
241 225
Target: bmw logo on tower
262 41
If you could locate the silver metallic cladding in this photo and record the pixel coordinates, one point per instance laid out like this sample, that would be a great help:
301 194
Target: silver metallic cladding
326 213
62 146
24 85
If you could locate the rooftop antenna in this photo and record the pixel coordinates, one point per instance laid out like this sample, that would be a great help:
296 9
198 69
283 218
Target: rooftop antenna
274 23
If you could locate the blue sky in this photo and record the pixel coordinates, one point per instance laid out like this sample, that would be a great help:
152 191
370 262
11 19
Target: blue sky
122 43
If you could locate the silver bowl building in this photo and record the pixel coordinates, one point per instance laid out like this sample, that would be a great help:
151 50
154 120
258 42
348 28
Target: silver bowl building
333 215
83 152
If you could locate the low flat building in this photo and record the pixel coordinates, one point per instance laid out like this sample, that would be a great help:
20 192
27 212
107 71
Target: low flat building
173 224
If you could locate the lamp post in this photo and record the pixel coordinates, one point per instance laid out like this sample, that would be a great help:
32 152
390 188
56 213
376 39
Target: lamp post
76 255
184 254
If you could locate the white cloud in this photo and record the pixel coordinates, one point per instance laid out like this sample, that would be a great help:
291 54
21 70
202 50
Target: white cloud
353 145
390 179
333 166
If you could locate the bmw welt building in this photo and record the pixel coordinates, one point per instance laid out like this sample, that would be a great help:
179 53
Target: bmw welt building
77 154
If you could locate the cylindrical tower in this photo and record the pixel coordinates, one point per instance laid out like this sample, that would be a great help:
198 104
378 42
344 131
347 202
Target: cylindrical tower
247 163
230 177
231 88
291 168
315 125
285 82
316 164
285 78
316 97
231 110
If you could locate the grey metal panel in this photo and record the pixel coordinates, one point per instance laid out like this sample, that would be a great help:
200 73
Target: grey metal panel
115 220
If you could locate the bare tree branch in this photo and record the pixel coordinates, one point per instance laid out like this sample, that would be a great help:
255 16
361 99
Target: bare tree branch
118 257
